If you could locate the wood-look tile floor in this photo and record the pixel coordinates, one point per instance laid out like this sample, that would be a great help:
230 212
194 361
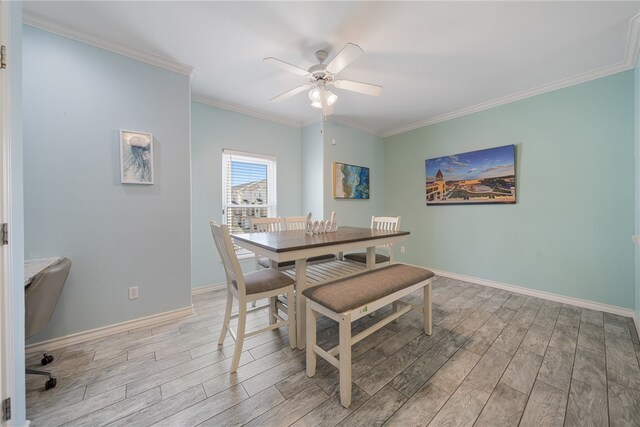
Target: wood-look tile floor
495 358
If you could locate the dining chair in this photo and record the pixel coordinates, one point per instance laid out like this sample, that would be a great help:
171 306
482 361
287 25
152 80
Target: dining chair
249 287
388 223
300 223
264 225
296 222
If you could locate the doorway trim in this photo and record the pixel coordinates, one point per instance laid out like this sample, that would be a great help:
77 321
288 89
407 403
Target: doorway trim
7 339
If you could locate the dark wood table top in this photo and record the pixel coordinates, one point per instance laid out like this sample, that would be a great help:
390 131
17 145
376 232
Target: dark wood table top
284 241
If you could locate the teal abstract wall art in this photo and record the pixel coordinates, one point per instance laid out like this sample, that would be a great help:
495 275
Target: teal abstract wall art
350 181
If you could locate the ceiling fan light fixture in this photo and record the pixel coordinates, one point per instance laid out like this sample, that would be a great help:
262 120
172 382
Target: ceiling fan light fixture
331 97
315 94
316 104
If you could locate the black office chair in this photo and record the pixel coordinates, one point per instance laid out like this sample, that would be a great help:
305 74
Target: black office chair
41 297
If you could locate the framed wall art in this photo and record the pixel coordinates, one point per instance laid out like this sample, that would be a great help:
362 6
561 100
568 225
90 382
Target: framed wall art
483 176
136 157
350 181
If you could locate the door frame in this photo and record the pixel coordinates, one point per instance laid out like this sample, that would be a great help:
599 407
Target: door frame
7 342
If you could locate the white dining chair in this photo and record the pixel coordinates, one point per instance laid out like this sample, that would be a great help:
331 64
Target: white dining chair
296 222
300 223
388 223
246 288
264 225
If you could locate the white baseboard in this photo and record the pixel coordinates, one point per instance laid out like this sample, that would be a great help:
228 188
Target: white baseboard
79 337
627 312
209 288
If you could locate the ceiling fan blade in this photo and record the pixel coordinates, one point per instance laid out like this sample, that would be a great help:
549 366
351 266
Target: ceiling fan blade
347 55
366 88
290 93
286 66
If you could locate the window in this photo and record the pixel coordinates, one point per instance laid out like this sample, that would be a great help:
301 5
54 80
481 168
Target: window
248 188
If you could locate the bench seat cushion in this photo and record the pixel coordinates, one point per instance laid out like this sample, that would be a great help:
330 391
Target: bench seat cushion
265 280
362 257
346 294
264 262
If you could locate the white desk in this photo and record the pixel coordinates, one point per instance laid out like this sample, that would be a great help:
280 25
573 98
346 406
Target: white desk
297 246
35 266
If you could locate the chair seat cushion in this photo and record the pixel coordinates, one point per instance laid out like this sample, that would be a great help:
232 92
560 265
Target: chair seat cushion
264 262
346 294
362 257
265 280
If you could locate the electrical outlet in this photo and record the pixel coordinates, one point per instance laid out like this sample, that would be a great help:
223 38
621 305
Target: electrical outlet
402 249
133 292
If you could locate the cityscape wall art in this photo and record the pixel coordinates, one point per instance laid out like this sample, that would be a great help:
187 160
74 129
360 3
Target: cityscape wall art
484 176
350 181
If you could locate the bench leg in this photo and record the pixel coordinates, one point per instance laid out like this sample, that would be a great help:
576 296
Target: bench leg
311 341
426 308
345 360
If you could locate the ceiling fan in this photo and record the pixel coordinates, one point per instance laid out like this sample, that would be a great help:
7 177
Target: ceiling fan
321 77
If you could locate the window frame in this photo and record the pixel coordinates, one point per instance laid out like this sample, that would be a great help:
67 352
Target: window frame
272 198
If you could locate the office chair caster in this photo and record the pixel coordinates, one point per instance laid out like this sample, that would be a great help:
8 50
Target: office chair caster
46 359
51 383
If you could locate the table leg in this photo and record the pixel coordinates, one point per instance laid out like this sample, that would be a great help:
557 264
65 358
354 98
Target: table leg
371 257
273 307
301 285
371 264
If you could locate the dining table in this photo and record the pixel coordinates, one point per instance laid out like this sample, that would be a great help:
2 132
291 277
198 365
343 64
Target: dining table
297 245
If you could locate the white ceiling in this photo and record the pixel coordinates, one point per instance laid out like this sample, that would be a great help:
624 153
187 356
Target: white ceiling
433 59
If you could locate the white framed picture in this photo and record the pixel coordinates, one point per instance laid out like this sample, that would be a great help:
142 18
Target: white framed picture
136 157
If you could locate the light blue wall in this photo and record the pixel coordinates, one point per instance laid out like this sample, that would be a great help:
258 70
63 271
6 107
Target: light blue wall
16 236
312 171
212 130
570 231
76 98
361 149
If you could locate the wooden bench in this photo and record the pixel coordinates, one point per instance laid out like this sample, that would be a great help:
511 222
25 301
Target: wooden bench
347 300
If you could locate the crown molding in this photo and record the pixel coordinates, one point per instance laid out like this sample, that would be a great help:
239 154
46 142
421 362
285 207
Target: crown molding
354 126
631 56
203 99
539 90
633 42
342 122
311 121
37 21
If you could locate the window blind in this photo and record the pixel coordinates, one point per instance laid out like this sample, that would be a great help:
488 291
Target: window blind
249 189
